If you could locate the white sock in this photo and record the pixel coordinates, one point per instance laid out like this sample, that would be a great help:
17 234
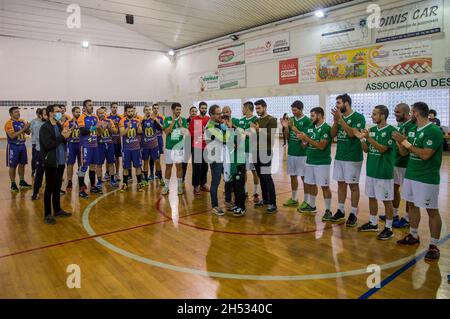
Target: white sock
406 217
245 188
180 181
306 198
414 232
167 181
434 241
256 188
312 200
327 203
341 206
374 219
389 223
395 212
294 195
354 211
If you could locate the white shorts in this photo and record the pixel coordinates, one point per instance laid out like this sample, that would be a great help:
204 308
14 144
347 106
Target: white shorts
296 165
174 156
348 172
399 175
249 166
317 175
381 189
421 194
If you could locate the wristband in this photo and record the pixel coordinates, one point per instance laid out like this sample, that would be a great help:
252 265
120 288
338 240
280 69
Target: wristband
406 144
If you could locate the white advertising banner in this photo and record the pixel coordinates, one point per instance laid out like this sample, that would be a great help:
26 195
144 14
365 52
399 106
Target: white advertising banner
307 69
232 77
209 81
231 55
272 47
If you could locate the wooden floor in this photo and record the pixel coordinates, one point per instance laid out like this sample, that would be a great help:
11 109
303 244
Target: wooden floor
139 245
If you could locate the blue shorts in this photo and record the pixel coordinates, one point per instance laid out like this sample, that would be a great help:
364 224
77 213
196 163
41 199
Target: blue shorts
129 156
148 153
88 155
16 155
105 152
73 153
161 145
118 150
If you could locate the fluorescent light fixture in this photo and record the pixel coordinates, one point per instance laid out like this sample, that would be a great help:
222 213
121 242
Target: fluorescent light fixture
85 44
319 14
171 52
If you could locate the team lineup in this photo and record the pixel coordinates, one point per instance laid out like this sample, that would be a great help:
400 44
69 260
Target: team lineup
403 162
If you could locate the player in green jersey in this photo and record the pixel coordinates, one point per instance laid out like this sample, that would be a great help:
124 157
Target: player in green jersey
422 178
380 148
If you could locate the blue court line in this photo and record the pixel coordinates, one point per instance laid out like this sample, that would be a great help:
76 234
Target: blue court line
401 270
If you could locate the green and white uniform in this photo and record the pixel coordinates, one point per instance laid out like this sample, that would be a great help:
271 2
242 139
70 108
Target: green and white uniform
174 141
349 153
380 166
421 184
317 171
401 162
296 160
244 123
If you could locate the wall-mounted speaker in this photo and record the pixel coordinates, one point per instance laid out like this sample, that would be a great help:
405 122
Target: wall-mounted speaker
129 18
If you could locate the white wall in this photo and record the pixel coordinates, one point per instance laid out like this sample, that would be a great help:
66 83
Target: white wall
262 77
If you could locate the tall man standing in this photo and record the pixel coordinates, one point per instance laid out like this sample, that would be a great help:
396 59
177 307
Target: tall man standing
73 146
116 117
349 157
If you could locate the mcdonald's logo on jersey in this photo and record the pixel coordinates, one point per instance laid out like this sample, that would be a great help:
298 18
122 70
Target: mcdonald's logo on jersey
149 131
106 133
131 132
76 133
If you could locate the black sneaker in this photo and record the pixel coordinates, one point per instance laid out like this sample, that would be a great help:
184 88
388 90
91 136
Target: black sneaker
432 253
368 227
24 185
261 203
50 220
62 192
352 221
62 213
385 234
83 193
35 197
96 190
239 212
338 217
409 240
328 216
14 188
272 209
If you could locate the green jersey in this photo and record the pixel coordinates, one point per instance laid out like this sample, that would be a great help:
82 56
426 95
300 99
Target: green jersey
404 129
244 123
428 136
381 165
349 148
315 156
295 145
174 140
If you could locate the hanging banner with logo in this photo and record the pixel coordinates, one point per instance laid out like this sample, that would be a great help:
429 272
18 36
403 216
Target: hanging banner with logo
344 65
209 81
233 77
271 47
288 71
344 34
308 69
420 18
400 59
230 56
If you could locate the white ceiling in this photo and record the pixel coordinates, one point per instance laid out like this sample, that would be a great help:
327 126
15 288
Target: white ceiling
180 23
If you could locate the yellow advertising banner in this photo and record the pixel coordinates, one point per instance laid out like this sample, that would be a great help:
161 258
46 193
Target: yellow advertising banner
343 65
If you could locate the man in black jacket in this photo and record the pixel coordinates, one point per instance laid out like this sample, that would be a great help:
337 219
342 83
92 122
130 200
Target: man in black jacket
52 139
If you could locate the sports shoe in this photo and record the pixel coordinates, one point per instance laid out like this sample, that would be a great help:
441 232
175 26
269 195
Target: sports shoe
368 227
151 178
24 185
180 189
50 220
14 188
272 209
197 190
352 221
401 223
308 209
230 207
409 240
140 187
144 183
62 213
99 184
328 216
291 203
204 188
161 182
62 192
124 188
385 234
113 184
432 253
117 178
83 193
106 176
217 211
303 205
69 186
261 203
338 217
256 198
96 190
35 197
165 190
239 212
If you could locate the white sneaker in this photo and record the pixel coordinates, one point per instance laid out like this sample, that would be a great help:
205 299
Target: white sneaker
217 211
165 190
180 189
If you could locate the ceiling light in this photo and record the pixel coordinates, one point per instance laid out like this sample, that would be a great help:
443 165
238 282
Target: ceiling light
319 14
171 52
85 44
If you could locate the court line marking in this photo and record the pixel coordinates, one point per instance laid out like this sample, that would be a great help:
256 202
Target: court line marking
399 271
205 273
